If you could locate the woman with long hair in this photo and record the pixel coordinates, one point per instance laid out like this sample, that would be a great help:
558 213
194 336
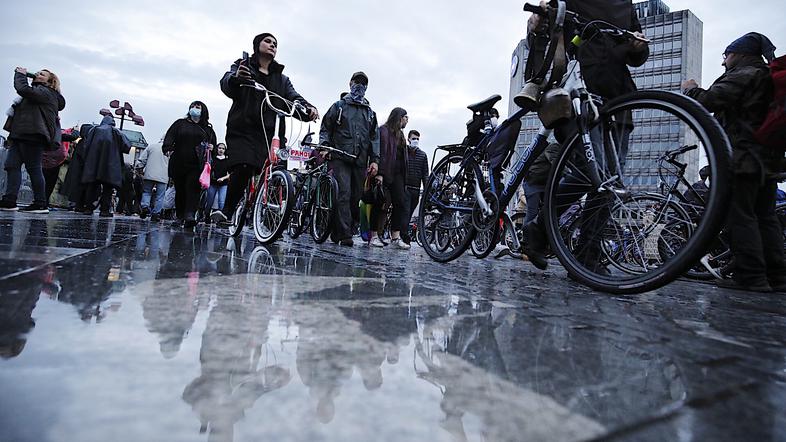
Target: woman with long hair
187 139
393 175
34 128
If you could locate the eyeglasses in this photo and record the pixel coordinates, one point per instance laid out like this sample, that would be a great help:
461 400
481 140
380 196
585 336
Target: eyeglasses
724 55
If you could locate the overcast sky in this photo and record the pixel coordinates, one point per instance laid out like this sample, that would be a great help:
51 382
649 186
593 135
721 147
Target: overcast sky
432 58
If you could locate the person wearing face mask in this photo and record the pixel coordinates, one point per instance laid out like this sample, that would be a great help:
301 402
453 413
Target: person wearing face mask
740 100
249 133
351 126
393 175
219 179
417 176
186 141
34 127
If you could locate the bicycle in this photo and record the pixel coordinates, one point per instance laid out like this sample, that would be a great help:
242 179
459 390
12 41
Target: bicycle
593 170
267 199
316 192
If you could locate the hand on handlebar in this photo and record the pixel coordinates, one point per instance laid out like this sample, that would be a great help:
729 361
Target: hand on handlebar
313 113
536 23
640 43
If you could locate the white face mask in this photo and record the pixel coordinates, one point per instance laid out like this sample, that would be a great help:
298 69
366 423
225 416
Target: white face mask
494 122
414 143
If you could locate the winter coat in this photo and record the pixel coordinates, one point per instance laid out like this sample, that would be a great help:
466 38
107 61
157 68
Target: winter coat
154 164
740 99
35 117
391 154
183 139
352 127
246 138
103 156
72 184
604 61
417 168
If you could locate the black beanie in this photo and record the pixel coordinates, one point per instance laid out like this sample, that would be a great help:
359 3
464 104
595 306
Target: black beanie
261 37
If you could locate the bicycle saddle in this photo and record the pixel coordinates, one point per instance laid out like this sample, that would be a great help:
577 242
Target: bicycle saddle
485 105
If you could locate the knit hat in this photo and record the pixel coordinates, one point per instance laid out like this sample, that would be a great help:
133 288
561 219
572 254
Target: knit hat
753 43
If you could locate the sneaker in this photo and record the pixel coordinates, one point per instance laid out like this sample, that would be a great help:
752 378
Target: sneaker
347 242
155 218
144 212
189 224
400 244
105 214
376 242
218 216
35 208
8 206
501 250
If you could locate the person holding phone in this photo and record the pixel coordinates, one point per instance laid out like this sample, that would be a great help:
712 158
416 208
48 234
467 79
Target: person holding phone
250 133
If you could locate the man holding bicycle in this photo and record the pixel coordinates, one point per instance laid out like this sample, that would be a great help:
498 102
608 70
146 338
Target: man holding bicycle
351 126
249 133
604 66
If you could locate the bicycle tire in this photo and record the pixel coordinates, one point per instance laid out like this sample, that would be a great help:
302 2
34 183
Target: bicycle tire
239 216
457 229
298 218
481 251
718 152
279 205
323 209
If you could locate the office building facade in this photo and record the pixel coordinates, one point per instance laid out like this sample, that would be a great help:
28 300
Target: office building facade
675 55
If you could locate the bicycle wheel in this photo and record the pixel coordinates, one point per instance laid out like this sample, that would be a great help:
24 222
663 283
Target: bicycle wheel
273 207
637 129
297 221
323 209
239 216
485 241
445 217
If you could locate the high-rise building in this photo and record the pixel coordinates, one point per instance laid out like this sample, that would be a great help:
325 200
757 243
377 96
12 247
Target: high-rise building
675 55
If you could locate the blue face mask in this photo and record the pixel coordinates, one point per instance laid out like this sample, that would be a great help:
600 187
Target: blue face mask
195 112
357 91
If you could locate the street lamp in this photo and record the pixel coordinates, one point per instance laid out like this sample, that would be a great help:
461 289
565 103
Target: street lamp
122 112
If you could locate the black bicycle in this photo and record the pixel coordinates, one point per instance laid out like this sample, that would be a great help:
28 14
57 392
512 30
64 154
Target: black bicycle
599 168
316 193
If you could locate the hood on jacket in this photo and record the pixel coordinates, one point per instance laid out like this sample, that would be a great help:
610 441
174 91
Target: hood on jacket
60 101
108 120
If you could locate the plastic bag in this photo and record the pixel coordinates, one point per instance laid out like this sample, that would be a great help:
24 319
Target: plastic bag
204 178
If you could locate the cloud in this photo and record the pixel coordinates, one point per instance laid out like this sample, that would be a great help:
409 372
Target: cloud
431 58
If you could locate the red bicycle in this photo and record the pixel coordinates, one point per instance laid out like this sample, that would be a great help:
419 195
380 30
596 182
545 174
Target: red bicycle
269 197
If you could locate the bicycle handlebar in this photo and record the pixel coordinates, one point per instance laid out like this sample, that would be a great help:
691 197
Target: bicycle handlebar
326 148
296 106
608 28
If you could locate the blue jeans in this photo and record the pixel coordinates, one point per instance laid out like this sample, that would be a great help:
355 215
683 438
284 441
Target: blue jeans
214 192
534 195
147 192
29 154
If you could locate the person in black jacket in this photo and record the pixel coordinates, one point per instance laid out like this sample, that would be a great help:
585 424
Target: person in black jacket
102 171
34 128
249 133
187 140
604 67
417 175
740 100
350 125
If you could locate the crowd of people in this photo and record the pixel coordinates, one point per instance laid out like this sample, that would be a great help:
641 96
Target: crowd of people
381 159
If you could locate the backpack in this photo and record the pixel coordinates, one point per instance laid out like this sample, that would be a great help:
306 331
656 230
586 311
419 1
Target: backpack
772 132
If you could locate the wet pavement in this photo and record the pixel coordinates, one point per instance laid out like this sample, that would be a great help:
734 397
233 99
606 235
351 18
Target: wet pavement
121 330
